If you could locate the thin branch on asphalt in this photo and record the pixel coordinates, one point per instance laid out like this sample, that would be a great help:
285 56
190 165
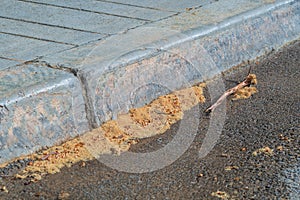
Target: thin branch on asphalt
250 80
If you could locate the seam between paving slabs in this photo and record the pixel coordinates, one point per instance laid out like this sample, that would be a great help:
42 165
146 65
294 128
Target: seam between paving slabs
82 81
12 59
58 67
148 7
36 38
89 108
45 24
85 10
84 87
128 4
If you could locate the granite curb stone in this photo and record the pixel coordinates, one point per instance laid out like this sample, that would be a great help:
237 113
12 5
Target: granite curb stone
39 107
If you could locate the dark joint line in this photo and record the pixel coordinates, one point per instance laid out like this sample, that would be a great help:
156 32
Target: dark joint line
57 26
127 4
57 66
41 39
85 10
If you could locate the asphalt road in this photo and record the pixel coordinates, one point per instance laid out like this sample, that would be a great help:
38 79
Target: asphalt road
269 119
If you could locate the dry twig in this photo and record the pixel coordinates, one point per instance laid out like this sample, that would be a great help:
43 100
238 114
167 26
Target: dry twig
250 80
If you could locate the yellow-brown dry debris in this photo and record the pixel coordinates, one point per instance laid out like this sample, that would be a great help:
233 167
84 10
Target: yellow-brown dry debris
4 189
63 195
170 106
199 92
141 115
229 168
252 78
279 148
170 103
114 134
53 159
265 150
190 97
220 194
244 93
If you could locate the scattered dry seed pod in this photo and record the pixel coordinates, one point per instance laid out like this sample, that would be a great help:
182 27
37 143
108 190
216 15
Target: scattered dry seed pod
229 168
279 148
224 155
20 176
220 194
4 189
282 137
265 150
35 177
244 149
83 164
63 195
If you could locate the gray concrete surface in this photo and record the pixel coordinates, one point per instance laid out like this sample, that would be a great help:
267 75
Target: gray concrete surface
119 54
270 118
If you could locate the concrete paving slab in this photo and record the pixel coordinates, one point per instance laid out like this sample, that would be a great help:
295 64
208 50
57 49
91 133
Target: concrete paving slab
91 55
5 63
211 14
47 33
176 6
69 18
23 48
111 9
39 107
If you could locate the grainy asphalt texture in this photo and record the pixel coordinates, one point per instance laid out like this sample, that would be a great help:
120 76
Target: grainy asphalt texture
270 118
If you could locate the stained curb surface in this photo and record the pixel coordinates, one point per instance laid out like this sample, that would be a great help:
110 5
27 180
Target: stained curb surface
76 66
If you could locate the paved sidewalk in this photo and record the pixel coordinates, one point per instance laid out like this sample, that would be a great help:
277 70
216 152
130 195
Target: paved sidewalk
68 66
